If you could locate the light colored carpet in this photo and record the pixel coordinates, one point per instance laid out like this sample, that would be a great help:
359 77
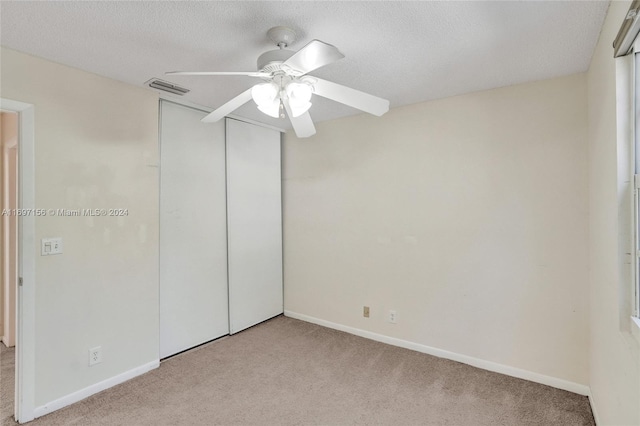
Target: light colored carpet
286 371
7 371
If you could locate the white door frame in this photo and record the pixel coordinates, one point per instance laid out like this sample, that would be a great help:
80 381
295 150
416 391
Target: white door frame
26 300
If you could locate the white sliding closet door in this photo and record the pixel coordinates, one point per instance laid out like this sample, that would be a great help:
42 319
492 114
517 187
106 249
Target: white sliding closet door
193 235
254 211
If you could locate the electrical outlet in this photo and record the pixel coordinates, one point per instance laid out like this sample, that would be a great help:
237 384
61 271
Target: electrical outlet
393 317
365 311
95 355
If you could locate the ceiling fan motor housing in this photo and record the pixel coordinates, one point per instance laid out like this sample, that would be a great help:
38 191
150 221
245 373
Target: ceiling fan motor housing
270 61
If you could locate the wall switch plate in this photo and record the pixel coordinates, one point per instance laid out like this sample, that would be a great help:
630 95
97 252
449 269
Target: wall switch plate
365 311
51 246
393 317
95 355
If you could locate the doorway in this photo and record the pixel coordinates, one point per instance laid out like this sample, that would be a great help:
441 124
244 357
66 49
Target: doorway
9 225
9 123
17 256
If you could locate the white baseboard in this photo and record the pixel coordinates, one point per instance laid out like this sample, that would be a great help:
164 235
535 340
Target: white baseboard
441 353
93 389
593 409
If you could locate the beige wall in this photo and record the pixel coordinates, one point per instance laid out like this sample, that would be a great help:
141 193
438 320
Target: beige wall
614 352
467 215
96 147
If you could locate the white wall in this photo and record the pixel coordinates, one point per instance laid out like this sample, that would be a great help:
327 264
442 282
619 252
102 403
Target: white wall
466 215
614 352
96 147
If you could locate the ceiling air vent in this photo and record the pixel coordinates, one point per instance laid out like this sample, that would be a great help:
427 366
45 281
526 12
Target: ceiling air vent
156 83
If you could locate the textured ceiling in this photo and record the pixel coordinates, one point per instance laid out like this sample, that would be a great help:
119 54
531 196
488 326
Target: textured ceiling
406 52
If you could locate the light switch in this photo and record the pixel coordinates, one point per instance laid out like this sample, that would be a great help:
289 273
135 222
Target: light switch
51 246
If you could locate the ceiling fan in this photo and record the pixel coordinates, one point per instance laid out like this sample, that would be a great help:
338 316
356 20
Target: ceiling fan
287 86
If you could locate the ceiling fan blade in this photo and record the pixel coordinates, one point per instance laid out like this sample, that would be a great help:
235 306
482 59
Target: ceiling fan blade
302 124
248 73
229 107
351 97
314 55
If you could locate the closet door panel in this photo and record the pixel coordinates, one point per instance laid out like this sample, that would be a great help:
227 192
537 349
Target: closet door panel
193 238
254 222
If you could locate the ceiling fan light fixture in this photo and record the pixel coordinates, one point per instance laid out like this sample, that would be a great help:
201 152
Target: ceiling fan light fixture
287 85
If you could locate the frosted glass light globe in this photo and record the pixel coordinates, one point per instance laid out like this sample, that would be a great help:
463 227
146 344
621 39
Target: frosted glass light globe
272 109
299 93
264 94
